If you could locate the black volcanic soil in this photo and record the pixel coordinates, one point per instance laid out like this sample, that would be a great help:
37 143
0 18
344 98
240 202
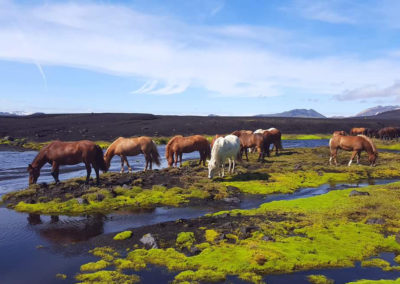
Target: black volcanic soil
108 126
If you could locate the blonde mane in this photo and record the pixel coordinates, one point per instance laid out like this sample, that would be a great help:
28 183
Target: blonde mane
370 142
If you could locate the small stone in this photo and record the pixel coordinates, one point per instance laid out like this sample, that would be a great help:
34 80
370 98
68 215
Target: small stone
377 221
234 200
268 239
149 241
358 193
125 186
194 250
248 229
100 197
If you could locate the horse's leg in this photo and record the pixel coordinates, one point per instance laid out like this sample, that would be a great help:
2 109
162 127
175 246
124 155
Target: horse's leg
96 170
247 157
233 164
223 168
358 157
201 157
55 171
180 159
276 149
122 164
352 157
204 157
176 159
127 163
147 162
229 165
88 171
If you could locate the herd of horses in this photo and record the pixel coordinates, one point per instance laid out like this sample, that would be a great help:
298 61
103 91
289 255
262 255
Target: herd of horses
230 147
386 133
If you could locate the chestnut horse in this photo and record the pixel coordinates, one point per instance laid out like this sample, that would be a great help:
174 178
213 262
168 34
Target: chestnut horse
339 132
179 145
68 153
357 144
214 139
239 132
358 131
134 146
388 133
250 141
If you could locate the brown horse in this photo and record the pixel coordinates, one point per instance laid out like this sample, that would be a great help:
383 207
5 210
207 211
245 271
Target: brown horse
358 131
389 133
339 132
179 145
68 153
215 138
250 141
276 140
357 144
134 146
240 132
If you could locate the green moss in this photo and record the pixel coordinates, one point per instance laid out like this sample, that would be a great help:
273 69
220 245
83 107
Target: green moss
106 276
185 240
106 253
251 277
61 276
305 136
211 235
383 281
199 275
123 235
319 279
91 266
375 262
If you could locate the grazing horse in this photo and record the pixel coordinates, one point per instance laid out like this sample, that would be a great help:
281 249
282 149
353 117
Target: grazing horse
240 132
250 141
68 153
124 147
224 148
358 131
357 144
179 144
388 133
372 133
215 138
339 132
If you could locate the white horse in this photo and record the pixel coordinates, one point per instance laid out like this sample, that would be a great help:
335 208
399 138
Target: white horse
227 147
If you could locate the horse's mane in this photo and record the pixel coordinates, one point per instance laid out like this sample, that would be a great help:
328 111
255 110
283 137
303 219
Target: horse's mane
167 148
112 146
370 142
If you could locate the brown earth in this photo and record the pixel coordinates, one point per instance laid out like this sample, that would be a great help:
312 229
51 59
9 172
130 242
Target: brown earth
108 126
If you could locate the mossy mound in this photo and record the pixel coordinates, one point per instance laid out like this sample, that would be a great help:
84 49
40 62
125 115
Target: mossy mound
326 231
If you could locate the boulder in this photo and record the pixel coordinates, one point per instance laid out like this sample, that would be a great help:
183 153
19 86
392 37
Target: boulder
149 241
358 193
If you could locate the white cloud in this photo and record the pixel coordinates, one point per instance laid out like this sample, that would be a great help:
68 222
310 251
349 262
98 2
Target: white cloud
368 92
171 56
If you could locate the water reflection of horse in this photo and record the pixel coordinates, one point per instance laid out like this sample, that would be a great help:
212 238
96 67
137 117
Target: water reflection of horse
179 145
357 144
124 147
68 153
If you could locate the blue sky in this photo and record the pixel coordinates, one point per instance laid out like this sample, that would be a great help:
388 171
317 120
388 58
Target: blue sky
199 57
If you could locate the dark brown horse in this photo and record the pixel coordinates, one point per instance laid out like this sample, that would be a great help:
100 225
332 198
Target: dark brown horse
239 132
389 133
179 145
68 153
357 144
276 139
358 131
251 141
124 147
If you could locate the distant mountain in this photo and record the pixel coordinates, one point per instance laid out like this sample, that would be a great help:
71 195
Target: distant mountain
15 113
393 114
295 113
377 110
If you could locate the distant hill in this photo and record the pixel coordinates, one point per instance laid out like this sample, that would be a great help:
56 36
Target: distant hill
15 113
377 110
394 114
308 113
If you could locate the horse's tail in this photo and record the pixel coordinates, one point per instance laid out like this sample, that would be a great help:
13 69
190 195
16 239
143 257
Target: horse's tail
99 159
208 150
155 156
371 143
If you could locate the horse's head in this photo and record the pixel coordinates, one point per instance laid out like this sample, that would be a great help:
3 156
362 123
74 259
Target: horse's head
34 173
212 167
372 158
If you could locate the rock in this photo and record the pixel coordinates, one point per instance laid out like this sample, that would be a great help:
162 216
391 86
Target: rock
398 237
9 138
358 193
234 200
82 200
248 229
377 221
100 197
194 250
125 186
223 215
149 241
297 167
268 239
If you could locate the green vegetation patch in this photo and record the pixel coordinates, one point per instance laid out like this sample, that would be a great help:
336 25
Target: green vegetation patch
123 235
319 279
